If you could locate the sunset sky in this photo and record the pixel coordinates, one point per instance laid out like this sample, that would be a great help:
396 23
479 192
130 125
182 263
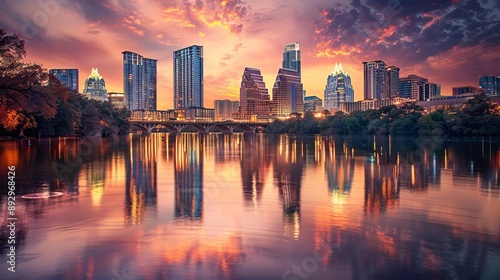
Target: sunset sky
450 42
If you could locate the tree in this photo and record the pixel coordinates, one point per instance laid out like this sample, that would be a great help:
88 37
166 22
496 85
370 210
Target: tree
23 90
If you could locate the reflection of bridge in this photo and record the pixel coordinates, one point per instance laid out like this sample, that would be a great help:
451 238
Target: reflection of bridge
202 126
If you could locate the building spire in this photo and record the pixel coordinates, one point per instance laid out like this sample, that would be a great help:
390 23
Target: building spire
95 74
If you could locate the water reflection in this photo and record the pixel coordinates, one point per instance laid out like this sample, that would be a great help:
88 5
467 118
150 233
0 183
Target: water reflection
218 206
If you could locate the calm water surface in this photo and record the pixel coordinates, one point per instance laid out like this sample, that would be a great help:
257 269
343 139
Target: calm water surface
254 207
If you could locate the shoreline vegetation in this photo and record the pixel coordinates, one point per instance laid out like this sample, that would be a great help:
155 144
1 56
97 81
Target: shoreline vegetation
35 104
477 117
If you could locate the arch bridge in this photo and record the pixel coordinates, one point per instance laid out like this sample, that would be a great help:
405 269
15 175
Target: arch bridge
165 122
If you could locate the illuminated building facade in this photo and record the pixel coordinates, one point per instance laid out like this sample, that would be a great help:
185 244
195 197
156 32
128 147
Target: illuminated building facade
188 77
338 88
254 96
287 93
225 109
95 87
375 80
68 77
139 81
490 84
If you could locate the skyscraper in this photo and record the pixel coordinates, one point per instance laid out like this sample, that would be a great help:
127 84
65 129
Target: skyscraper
287 93
375 80
392 82
95 87
338 88
188 77
139 81
291 57
254 96
490 84
68 77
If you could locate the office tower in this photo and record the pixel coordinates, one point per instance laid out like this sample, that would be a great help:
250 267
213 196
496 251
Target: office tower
411 87
224 109
490 84
254 96
375 80
338 88
68 77
313 104
430 91
188 77
291 57
392 82
139 81
95 87
287 93
467 89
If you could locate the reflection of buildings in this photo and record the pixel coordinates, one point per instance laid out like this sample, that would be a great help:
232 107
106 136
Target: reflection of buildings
254 165
188 165
141 168
288 167
339 169
381 184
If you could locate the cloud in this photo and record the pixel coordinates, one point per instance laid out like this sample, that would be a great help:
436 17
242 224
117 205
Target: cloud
415 30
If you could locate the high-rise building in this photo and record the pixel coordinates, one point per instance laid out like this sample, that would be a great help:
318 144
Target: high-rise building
410 87
68 77
375 80
467 89
95 87
313 104
224 109
338 88
188 77
291 57
393 81
287 93
490 84
139 81
254 96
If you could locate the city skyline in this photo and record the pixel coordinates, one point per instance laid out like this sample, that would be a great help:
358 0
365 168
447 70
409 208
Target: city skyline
451 43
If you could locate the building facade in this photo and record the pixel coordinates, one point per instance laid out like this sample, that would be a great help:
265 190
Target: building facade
467 89
313 104
411 87
375 80
338 89
68 77
117 99
392 81
287 93
490 84
95 87
139 81
225 109
188 77
254 96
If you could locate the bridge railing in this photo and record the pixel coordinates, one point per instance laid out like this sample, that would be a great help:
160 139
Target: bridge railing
171 116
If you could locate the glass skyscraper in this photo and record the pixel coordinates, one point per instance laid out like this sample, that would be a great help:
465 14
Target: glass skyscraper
338 88
188 77
291 57
392 82
288 94
95 87
68 77
254 96
139 81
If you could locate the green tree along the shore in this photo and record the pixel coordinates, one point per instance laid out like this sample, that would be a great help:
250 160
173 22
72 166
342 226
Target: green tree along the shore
32 102
478 116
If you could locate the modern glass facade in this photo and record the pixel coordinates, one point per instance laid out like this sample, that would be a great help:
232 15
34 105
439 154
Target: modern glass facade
139 81
411 87
188 77
338 88
68 77
95 87
287 93
313 104
291 57
254 96
490 84
375 80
